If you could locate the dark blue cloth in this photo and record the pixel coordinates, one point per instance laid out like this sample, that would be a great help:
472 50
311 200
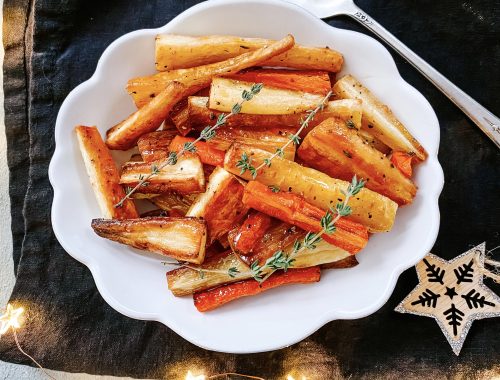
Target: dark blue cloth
52 46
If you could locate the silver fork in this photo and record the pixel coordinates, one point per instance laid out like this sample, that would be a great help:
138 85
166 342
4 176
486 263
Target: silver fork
484 119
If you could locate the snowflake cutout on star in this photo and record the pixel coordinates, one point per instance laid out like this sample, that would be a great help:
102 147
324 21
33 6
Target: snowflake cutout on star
452 292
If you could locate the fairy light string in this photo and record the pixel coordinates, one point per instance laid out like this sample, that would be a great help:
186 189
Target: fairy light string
489 267
10 321
191 376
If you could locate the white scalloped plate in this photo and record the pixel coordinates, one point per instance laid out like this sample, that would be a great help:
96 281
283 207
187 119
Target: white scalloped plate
135 284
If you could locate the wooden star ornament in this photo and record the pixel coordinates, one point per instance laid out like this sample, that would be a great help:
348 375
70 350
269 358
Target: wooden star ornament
452 292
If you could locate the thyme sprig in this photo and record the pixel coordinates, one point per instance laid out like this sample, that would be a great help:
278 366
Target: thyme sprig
206 134
245 163
232 272
281 261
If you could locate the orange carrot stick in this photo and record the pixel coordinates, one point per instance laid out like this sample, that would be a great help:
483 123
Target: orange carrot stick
207 153
402 161
251 231
293 209
312 81
213 298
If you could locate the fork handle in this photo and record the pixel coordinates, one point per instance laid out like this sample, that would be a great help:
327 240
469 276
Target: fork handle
484 119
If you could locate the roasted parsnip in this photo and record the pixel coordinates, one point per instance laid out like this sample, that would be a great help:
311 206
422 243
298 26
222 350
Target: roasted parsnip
196 78
177 51
257 138
200 116
338 151
221 205
215 271
185 177
155 213
324 254
103 174
180 117
378 119
154 146
174 203
124 135
224 93
368 208
180 238
348 262
374 142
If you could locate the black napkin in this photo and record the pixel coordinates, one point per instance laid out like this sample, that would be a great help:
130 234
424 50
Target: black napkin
52 46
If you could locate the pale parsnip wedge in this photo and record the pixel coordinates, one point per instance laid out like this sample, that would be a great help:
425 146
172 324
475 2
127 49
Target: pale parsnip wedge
184 281
180 238
143 89
215 270
174 202
324 253
373 210
200 116
147 119
378 119
177 51
257 138
124 135
185 177
224 93
372 141
349 262
103 174
221 205
338 151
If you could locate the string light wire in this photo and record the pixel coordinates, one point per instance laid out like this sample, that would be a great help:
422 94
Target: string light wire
10 321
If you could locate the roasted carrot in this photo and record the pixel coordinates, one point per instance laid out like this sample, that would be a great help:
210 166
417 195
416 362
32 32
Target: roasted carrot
213 298
207 153
249 233
312 81
277 237
292 208
402 161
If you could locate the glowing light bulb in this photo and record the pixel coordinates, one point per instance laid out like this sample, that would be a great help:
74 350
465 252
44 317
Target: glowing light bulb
10 319
190 376
290 377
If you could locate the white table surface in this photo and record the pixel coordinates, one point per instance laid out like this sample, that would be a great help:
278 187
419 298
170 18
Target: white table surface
7 279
